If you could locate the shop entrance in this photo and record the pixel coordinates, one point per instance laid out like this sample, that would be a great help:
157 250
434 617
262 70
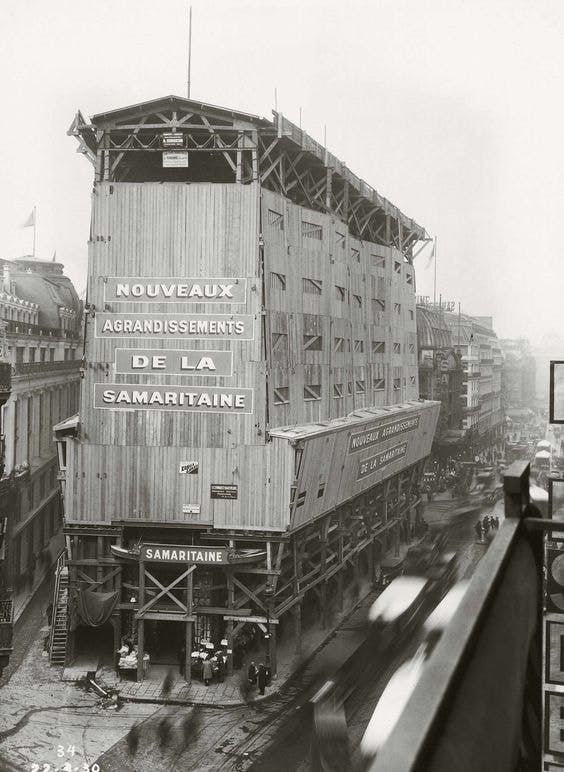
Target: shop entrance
165 643
95 645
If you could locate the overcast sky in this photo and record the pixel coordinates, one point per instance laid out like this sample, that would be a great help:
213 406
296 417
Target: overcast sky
451 109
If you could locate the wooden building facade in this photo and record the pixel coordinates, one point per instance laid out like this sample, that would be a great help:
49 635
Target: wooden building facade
250 377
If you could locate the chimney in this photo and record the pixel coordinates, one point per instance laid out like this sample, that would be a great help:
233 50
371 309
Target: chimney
6 278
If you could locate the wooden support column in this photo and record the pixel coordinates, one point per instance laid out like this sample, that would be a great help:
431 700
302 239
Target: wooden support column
230 606
298 628
273 657
141 622
188 639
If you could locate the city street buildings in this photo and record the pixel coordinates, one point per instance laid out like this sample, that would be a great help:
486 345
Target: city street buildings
40 315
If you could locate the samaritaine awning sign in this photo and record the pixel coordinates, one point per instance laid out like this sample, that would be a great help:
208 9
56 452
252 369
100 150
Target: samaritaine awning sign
172 553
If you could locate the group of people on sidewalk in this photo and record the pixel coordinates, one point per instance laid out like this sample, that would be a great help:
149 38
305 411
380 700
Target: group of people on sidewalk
258 676
484 525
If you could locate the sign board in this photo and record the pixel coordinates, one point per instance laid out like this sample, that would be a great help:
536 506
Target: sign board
369 437
175 361
128 396
183 553
172 139
556 393
174 289
370 465
175 159
191 509
189 467
175 326
218 491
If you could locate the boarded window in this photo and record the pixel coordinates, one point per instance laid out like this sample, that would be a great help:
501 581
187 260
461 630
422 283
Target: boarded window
397 267
338 344
321 490
378 305
340 293
411 314
312 392
379 384
359 345
349 388
360 387
312 286
355 255
378 261
311 231
338 392
412 380
397 384
397 348
357 301
276 220
313 342
409 278
282 395
378 347
279 341
397 308
340 239
278 281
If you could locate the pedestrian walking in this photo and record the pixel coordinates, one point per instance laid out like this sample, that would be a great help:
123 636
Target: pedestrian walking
133 739
168 681
479 530
221 668
189 726
164 731
261 678
486 524
252 673
207 672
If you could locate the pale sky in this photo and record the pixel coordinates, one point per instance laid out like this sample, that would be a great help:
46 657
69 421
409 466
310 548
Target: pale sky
451 109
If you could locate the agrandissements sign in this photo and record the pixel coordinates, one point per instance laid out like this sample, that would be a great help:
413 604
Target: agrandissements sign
172 553
370 465
174 326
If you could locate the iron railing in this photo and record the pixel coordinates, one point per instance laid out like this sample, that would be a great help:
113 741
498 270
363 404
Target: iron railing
31 368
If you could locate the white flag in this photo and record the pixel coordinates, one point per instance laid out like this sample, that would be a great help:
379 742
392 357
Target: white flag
30 220
431 256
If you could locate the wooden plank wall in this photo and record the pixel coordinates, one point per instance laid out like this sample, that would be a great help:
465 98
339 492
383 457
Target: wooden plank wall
126 464
352 276
327 462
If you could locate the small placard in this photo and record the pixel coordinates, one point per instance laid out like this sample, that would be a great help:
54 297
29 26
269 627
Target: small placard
218 491
175 159
189 467
191 509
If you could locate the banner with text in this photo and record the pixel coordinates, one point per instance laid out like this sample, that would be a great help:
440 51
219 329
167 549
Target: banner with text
174 290
172 398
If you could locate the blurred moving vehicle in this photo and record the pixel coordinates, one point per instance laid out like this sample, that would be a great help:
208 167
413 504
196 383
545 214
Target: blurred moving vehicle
437 621
390 707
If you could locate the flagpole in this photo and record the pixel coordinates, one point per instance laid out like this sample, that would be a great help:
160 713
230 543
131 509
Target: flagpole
34 228
435 274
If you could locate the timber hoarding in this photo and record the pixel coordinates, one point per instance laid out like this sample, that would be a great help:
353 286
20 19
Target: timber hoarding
344 458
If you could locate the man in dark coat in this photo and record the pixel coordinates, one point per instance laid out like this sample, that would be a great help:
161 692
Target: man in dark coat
252 673
261 678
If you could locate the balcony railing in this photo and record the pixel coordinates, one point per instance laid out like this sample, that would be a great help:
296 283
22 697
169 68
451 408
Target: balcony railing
39 331
477 704
30 368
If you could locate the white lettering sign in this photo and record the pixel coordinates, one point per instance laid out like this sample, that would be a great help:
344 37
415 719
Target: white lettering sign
218 327
175 290
209 400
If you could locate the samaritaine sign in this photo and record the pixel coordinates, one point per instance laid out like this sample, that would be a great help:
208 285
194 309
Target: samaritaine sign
172 553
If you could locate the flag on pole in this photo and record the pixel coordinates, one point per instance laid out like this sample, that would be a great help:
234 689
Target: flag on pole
30 220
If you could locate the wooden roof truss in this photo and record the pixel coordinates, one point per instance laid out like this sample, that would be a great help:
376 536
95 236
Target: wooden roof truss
278 155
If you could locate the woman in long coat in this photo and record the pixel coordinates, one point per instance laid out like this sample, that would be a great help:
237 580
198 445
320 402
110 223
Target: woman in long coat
207 671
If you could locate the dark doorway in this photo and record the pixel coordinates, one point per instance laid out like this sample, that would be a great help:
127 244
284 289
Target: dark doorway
164 642
96 643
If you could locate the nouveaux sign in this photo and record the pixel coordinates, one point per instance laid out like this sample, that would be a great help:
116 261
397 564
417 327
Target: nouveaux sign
177 361
184 553
172 398
370 465
174 290
369 437
174 326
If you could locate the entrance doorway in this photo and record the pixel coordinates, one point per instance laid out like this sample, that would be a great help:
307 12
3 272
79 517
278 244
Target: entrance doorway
164 642
95 644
